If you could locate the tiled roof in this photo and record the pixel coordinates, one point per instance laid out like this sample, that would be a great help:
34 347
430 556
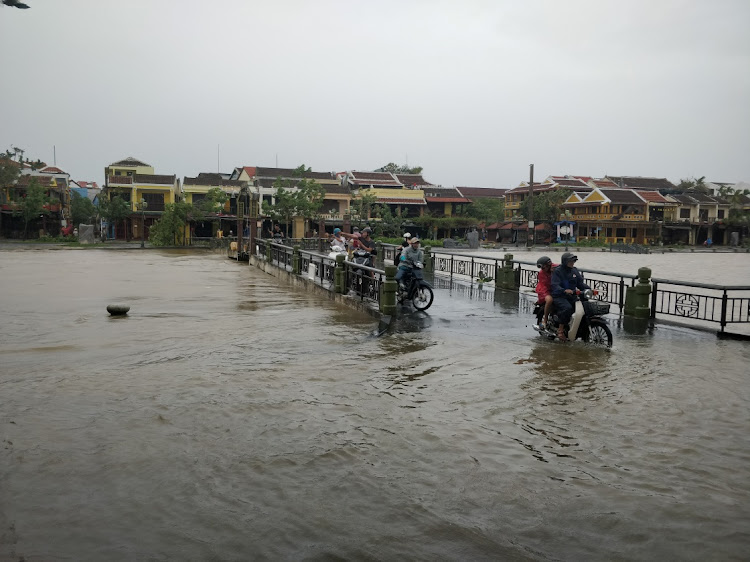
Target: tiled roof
623 196
374 176
637 181
569 182
331 188
433 191
412 179
130 161
482 192
376 183
684 199
653 196
701 197
154 178
288 173
604 183
447 199
51 170
214 180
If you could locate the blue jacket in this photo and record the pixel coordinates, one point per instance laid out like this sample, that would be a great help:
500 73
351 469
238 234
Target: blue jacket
567 278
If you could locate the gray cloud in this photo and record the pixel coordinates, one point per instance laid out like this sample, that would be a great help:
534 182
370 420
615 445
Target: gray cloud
473 91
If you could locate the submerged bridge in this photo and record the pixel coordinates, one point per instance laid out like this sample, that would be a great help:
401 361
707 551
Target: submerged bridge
638 301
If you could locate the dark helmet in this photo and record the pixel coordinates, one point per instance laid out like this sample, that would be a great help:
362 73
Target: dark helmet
566 257
367 229
544 260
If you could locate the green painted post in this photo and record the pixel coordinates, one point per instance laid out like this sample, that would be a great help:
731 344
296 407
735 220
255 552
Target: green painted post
427 259
638 298
296 260
388 294
505 276
338 275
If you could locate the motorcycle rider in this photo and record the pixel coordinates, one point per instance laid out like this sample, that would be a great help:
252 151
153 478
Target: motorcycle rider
365 242
565 280
544 286
409 256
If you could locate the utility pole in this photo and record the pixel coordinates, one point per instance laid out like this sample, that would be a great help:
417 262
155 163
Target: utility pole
530 232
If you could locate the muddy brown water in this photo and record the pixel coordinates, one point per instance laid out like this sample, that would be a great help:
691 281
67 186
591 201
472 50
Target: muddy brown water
230 417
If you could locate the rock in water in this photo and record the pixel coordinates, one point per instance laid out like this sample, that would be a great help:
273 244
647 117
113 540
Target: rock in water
118 309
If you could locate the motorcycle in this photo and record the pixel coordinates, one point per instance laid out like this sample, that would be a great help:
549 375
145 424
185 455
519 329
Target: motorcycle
587 323
415 289
337 250
362 257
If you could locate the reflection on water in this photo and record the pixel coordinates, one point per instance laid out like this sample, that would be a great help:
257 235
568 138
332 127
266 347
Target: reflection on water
229 416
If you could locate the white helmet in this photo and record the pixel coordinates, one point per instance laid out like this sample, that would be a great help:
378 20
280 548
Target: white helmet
407 235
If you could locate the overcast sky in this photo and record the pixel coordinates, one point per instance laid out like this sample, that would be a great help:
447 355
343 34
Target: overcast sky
473 91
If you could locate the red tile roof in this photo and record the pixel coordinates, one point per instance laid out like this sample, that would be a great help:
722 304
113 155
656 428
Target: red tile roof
482 192
447 199
51 170
652 196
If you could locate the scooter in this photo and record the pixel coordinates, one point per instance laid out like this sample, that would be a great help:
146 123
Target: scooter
587 323
416 289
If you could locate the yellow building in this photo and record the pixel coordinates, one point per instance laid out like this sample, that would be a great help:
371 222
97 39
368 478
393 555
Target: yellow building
146 192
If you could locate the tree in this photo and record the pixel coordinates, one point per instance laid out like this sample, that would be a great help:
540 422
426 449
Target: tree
390 224
31 205
698 184
396 169
486 209
82 210
171 224
295 198
114 210
547 205
211 204
361 207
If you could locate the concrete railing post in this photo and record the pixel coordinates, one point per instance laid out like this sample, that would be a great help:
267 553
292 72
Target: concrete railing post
638 298
296 260
269 251
388 291
427 259
505 277
339 275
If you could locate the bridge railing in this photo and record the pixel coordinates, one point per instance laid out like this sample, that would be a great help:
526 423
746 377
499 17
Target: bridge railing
359 280
722 304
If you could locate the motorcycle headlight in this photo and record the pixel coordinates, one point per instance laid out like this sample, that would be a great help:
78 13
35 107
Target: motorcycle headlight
588 293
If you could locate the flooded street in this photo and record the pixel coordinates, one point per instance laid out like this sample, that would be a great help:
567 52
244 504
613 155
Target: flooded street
230 417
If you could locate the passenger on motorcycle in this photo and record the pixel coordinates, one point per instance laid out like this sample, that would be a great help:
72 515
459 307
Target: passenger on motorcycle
404 245
565 280
544 286
338 243
409 256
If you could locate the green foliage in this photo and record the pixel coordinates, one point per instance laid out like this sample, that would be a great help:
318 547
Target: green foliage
486 210
211 204
388 223
547 205
171 225
82 210
396 169
362 206
305 201
9 171
32 205
114 209
698 184
590 243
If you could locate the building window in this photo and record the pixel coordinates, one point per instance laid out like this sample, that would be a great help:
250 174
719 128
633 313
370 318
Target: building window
621 232
117 172
684 213
721 214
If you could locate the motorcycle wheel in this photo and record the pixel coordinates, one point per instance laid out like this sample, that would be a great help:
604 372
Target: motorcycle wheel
599 334
422 298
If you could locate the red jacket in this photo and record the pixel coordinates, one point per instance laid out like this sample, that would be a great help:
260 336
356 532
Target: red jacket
544 285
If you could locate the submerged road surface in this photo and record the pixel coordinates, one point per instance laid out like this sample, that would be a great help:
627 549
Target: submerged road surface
230 417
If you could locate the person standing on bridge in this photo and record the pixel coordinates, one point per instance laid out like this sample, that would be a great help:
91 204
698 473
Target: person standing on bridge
566 279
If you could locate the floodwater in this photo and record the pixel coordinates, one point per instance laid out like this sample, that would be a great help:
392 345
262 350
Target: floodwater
230 417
